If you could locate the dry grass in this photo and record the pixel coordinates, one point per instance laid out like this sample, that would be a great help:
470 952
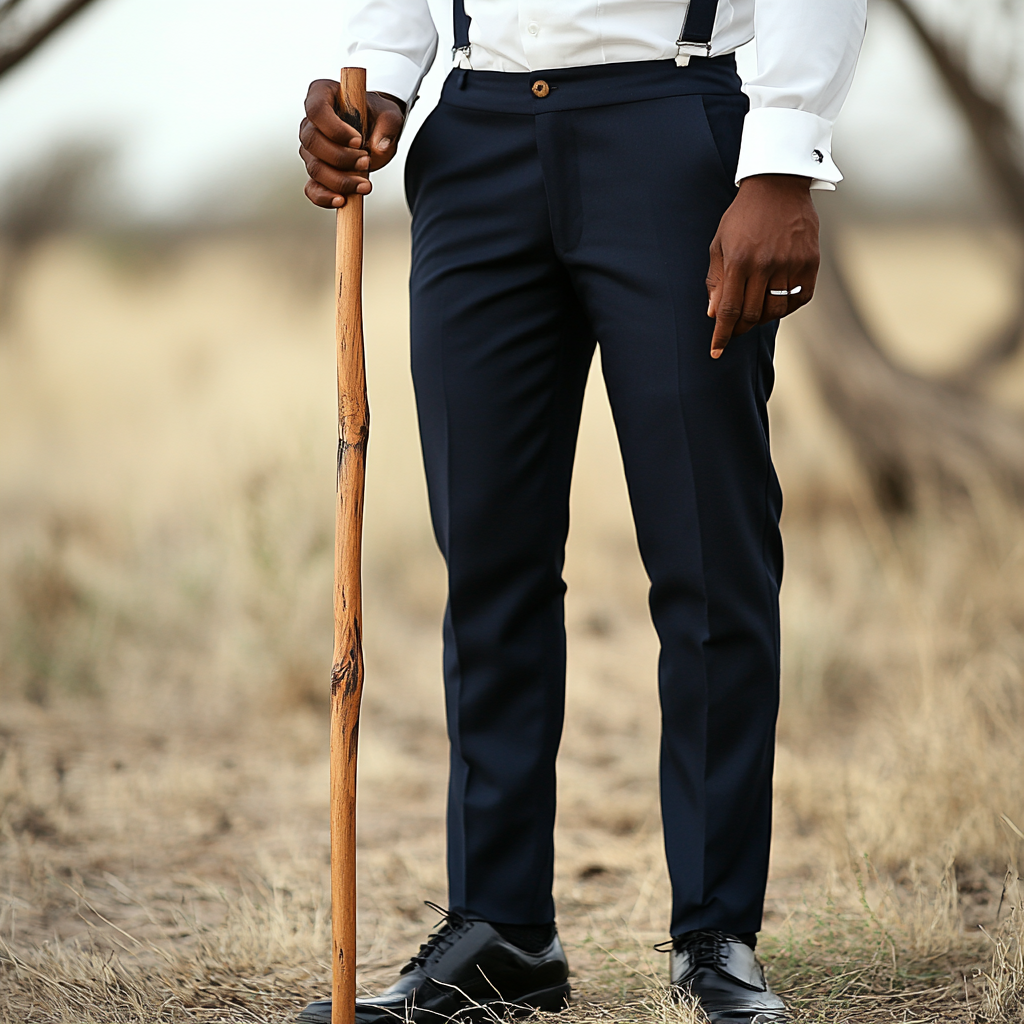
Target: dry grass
166 476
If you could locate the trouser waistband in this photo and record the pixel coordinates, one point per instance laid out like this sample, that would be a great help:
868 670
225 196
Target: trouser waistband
597 85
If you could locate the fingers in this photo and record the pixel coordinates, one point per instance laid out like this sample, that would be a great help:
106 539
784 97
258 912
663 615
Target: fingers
794 302
806 279
328 198
798 284
320 196
736 295
741 298
799 292
755 295
331 150
775 306
332 153
760 306
321 111
727 308
341 182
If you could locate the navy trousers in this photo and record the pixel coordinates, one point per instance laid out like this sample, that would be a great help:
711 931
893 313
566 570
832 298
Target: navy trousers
543 225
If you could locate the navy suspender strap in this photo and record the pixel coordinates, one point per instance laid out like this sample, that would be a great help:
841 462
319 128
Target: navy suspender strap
694 37
461 31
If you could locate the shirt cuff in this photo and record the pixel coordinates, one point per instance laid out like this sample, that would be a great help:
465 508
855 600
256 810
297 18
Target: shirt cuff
781 140
390 72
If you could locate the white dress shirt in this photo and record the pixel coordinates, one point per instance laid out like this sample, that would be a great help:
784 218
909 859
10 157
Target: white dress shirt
806 55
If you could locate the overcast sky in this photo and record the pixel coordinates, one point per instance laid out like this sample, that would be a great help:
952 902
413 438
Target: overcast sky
195 90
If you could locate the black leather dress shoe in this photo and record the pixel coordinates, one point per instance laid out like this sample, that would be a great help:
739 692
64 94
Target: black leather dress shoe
466 971
723 973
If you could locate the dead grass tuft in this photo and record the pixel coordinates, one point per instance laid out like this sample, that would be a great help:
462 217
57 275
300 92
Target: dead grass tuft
1004 981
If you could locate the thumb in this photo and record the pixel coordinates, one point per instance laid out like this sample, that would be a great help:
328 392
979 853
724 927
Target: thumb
383 142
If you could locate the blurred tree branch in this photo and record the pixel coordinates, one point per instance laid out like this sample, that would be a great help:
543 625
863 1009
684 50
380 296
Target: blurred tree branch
26 38
911 431
989 121
7 6
1000 147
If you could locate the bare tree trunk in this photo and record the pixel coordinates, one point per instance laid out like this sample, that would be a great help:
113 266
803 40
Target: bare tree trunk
988 120
914 433
999 145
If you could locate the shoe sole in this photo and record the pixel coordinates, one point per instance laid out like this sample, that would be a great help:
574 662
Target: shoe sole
551 1000
751 1017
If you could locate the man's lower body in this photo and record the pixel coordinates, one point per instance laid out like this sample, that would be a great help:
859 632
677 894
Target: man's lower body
543 225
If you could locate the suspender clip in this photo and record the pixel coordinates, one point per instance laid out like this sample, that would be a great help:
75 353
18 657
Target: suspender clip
684 51
461 57
698 28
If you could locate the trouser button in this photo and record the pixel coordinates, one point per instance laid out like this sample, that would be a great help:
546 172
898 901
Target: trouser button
540 88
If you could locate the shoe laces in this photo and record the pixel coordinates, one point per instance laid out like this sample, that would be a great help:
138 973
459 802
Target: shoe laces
706 948
438 941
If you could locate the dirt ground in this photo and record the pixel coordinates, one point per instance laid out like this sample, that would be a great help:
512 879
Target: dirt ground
166 501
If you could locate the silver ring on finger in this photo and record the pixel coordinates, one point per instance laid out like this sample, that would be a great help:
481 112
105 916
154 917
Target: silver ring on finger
782 292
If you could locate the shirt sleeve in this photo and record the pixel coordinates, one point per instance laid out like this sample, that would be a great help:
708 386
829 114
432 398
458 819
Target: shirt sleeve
807 53
396 41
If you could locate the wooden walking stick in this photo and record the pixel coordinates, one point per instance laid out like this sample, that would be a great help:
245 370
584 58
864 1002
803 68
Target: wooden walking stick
347 671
